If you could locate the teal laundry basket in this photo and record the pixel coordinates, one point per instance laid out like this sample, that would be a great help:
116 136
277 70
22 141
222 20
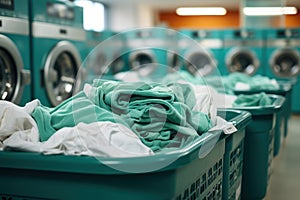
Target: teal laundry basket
193 172
282 117
233 157
258 148
33 176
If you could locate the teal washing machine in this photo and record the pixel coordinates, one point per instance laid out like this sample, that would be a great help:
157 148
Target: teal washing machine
208 57
282 54
147 52
200 57
14 52
243 51
97 56
57 37
111 48
104 51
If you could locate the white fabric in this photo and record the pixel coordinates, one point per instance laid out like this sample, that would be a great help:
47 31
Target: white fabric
17 120
206 95
18 130
221 125
141 74
208 100
242 86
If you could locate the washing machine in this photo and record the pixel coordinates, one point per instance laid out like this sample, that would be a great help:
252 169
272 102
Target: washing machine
104 54
14 52
57 37
243 51
200 57
282 54
147 51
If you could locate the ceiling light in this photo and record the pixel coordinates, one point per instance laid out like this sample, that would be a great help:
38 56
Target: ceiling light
188 11
269 11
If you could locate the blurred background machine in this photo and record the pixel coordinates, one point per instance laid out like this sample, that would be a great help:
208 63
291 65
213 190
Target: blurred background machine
203 56
243 51
97 60
103 54
57 39
147 52
282 59
14 52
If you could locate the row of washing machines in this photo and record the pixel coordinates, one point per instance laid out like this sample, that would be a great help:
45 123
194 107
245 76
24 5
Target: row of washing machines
43 46
40 50
269 52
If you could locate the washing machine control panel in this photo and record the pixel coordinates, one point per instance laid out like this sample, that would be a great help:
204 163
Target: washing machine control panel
7 4
11 8
60 11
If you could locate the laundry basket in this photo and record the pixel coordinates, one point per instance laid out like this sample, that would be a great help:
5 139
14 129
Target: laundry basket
258 148
196 172
282 117
233 157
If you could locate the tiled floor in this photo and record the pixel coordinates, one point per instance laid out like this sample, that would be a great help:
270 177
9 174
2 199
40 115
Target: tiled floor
285 179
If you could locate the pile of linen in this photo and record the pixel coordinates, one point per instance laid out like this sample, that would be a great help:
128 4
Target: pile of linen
111 118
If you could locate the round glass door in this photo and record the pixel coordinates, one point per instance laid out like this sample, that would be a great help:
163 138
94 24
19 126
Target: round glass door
60 72
200 63
12 70
141 59
64 75
285 63
8 76
144 64
242 60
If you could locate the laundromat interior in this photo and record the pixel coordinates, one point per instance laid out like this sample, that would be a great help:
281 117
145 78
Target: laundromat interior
152 100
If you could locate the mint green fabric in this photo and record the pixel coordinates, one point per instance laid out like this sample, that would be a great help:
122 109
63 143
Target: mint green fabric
68 114
230 80
212 80
258 99
256 82
160 115
153 109
185 76
224 84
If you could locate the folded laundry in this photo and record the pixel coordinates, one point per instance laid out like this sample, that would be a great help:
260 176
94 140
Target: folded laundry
160 115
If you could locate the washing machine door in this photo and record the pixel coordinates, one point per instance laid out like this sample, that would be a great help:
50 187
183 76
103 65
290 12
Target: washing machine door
143 61
285 63
60 72
242 60
13 77
199 63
